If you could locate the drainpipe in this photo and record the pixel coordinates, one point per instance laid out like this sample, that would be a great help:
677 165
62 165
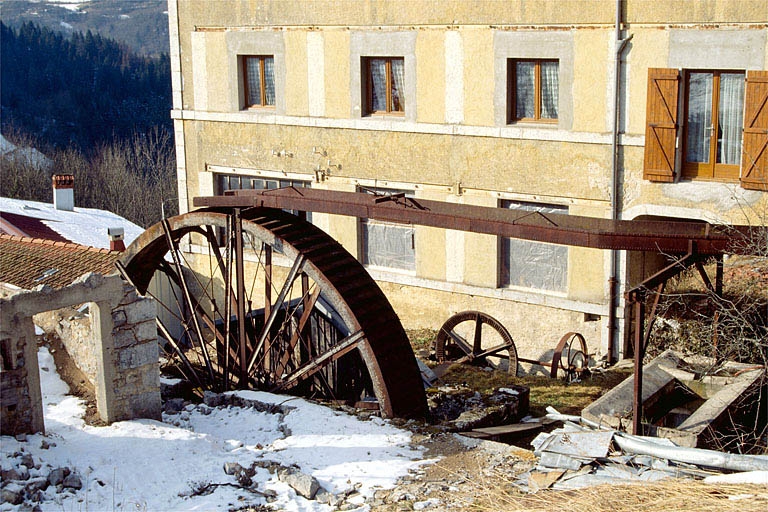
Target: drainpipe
613 282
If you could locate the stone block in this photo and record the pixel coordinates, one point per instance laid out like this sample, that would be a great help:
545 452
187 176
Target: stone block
140 311
146 331
118 317
145 405
133 357
124 337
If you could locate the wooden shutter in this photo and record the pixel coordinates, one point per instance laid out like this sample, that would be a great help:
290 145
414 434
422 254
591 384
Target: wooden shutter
754 153
661 124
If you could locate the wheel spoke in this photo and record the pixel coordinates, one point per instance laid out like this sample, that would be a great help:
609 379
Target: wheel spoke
177 349
173 249
321 361
287 285
305 315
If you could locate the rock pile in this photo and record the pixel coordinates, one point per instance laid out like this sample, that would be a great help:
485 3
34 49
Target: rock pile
29 483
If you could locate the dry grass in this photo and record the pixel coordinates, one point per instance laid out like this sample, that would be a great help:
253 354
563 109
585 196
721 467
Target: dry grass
567 398
673 494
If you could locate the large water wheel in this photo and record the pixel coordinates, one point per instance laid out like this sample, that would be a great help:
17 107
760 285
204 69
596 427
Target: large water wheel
261 299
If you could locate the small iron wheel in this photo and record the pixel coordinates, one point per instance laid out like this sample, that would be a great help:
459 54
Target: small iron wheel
477 338
570 358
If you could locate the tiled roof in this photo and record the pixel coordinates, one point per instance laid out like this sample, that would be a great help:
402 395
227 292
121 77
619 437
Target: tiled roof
30 226
28 262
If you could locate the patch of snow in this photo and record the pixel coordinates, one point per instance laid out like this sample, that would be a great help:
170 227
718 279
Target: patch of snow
124 17
85 226
747 477
153 465
69 4
29 156
66 25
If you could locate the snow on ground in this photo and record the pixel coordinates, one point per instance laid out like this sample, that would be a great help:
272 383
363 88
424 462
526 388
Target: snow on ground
84 226
69 4
154 466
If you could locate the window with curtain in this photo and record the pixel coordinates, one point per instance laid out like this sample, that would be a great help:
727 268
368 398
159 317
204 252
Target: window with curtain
387 245
259 80
529 264
532 90
714 115
384 85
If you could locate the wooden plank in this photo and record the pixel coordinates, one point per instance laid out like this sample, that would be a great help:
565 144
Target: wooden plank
505 430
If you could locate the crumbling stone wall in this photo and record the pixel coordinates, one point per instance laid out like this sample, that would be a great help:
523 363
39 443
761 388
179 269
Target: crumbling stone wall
119 351
136 380
21 409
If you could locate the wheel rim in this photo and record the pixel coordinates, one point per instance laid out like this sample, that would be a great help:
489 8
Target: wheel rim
466 336
573 357
314 322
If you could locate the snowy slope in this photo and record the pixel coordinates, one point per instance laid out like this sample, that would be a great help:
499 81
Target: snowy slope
154 466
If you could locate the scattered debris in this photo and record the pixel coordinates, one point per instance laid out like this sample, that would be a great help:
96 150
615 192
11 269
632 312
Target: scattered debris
583 453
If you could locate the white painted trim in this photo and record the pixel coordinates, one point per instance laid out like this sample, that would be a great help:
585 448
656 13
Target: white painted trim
454 77
316 74
175 54
199 70
281 175
181 166
404 126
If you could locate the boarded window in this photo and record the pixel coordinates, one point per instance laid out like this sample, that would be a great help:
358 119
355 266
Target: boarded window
661 124
529 264
388 245
754 160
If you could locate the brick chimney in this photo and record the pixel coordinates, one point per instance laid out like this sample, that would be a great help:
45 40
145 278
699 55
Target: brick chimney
116 239
64 192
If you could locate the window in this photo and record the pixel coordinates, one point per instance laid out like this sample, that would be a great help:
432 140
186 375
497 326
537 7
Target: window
388 245
714 109
725 132
236 182
533 90
259 81
528 264
384 85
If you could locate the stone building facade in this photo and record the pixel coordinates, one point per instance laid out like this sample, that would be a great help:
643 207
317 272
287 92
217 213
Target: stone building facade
633 109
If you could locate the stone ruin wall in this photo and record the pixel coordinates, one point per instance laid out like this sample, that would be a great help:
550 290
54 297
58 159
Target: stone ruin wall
115 346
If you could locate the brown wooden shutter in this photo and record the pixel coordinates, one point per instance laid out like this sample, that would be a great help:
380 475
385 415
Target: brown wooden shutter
754 153
661 124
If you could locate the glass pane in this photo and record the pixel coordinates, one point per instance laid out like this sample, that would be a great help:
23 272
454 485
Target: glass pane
530 264
699 117
253 81
269 80
398 86
549 90
388 245
525 94
377 78
730 115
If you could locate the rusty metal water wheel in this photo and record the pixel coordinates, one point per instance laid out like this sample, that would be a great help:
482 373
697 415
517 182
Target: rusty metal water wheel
475 337
304 317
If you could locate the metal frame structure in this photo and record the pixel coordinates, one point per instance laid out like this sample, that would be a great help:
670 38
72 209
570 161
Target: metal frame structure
693 242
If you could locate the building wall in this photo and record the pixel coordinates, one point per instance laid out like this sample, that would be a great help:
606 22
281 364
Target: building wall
453 142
